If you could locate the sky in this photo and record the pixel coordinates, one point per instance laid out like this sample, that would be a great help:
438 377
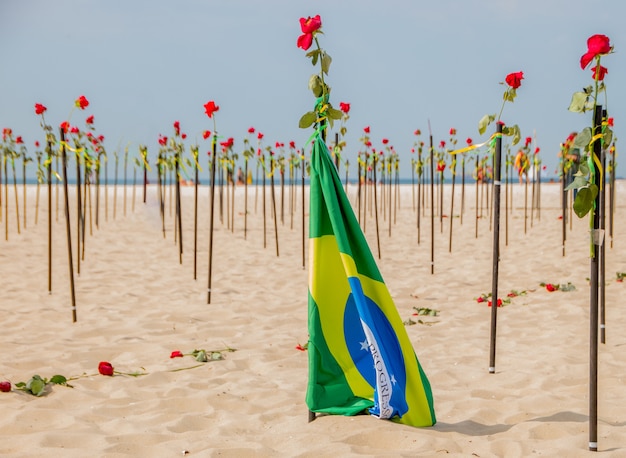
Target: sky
401 64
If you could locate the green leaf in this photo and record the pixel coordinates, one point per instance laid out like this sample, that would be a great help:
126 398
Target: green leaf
314 55
58 379
583 169
326 60
36 385
512 131
579 182
608 136
579 102
509 94
201 356
584 200
484 123
334 114
315 84
583 138
307 120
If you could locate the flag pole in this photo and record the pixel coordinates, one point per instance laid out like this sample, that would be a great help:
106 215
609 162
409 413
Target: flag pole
496 246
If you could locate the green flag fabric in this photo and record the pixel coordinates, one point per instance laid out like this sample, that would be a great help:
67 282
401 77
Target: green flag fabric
360 356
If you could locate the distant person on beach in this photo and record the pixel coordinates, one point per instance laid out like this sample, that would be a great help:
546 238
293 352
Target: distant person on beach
239 176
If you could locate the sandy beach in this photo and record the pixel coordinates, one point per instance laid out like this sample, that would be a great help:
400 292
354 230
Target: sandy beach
136 303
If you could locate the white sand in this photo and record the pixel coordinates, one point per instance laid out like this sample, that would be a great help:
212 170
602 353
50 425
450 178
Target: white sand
136 304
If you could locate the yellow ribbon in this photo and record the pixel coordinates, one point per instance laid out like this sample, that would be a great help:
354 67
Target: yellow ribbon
79 150
478 145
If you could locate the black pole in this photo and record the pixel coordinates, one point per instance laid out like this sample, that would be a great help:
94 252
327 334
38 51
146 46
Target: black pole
67 224
179 216
145 176
245 199
564 200
452 205
303 217
419 193
602 210
593 300
195 215
496 247
49 217
211 222
79 219
432 206
376 208
273 195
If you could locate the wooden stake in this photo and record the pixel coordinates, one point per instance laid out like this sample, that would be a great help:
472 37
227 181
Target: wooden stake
212 215
67 225
432 204
496 248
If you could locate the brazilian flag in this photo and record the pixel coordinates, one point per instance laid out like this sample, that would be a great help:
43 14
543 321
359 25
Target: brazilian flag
360 356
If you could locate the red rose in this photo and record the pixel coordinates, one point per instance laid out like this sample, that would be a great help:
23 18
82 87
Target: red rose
480 299
251 130
441 166
366 129
599 72
292 144
385 141
610 122
469 141
259 136
100 138
177 354
206 134
210 108
528 140
442 144
596 45
162 141
537 150
65 126
184 135
89 120
39 109
418 132
550 287
514 79
308 26
19 140
105 368
452 131
36 143
345 107
5 386
82 102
